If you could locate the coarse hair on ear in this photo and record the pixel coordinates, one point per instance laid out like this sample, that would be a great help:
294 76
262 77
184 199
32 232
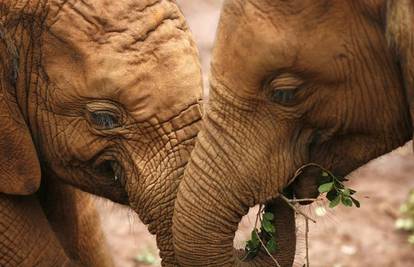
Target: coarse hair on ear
20 172
400 35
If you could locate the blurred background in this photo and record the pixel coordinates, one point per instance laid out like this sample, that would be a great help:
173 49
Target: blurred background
343 237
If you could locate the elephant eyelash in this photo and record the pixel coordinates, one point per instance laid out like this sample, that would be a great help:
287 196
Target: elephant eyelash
283 95
283 88
104 120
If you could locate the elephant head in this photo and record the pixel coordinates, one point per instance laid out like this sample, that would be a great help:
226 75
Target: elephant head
292 83
103 95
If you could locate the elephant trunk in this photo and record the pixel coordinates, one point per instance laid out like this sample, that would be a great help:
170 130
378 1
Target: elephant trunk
209 206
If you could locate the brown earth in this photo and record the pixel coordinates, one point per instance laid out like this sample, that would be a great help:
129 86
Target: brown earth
344 237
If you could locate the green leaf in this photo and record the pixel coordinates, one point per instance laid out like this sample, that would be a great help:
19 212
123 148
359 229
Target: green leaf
404 208
411 239
254 241
325 174
325 187
338 185
268 227
250 255
352 191
252 247
346 192
347 201
332 195
411 198
253 235
335 202
356 202
147 258
268 216
271 245
400 224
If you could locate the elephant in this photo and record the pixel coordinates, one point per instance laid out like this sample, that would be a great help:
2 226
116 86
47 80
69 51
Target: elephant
101 97
292 83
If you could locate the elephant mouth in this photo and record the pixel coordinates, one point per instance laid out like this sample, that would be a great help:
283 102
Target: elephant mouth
110 169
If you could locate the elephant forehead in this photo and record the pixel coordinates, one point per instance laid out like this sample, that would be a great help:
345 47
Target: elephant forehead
159 84
248 44
123 25
138 53
156 88
255 40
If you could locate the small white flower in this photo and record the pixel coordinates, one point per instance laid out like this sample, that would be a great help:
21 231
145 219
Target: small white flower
320 211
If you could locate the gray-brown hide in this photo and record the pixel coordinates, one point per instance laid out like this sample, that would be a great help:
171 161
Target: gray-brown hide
293 82
400 29
105 95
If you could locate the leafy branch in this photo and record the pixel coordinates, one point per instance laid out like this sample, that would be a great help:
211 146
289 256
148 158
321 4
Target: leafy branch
336 193
266 238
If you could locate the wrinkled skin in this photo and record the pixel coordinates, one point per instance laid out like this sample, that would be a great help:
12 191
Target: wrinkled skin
101 95
63 231
36 243
293 82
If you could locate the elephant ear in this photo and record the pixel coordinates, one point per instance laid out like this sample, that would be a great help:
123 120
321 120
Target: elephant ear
19 164
400 34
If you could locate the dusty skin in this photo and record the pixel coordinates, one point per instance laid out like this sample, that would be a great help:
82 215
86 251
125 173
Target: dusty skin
291 83
98 95
342 238
128 238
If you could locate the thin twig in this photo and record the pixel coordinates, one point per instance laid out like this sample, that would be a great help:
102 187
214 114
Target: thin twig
267 251
290 202
255 227
300 170
295 208
258 236
307 241
260 239
297 200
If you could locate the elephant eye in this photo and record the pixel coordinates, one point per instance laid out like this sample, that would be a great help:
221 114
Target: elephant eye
104 120
283 95
283 88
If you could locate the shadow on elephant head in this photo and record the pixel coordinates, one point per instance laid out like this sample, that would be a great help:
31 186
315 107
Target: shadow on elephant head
103 96
292 83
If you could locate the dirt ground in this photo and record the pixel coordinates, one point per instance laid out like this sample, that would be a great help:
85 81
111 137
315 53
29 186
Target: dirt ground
344 237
